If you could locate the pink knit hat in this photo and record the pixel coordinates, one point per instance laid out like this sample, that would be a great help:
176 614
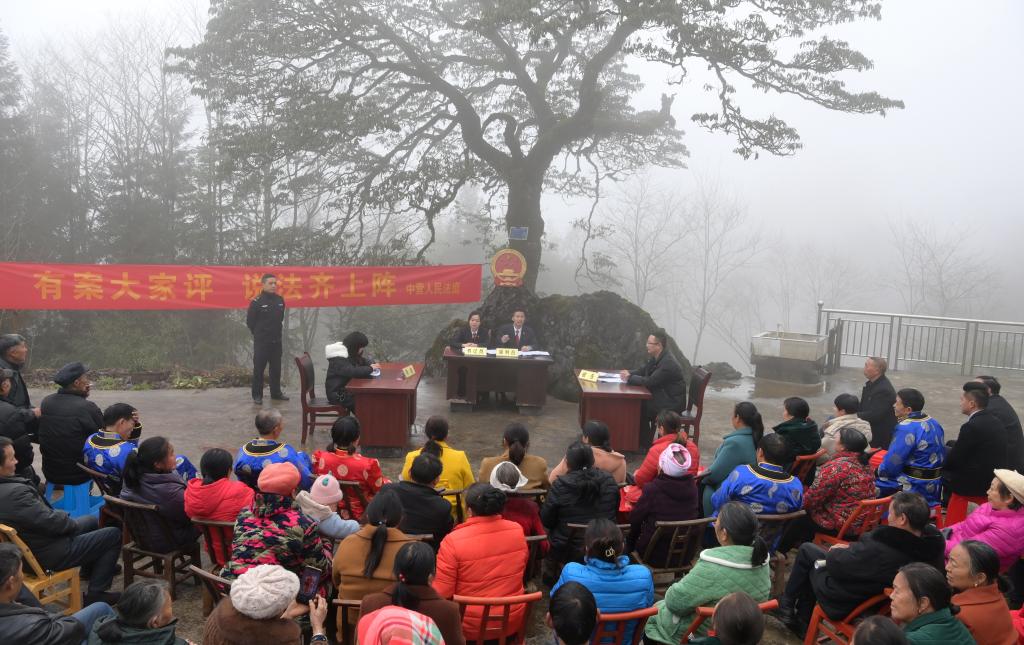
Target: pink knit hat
281 478
326 490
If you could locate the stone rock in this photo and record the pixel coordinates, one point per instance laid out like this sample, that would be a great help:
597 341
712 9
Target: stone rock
598 330
722 371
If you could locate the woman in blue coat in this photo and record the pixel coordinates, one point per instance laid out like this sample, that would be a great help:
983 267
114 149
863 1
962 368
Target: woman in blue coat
617 585
739 447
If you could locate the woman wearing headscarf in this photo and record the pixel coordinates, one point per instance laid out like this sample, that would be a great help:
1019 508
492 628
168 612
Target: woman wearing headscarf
671 496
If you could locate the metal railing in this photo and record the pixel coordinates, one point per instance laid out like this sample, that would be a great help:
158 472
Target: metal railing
966 343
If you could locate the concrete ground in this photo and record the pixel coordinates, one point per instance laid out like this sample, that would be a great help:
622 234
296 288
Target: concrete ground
198 420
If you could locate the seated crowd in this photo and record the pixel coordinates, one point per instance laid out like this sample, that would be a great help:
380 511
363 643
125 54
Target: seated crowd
401 551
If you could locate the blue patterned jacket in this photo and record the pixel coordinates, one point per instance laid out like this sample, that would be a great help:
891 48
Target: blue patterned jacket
766 488
256 455
917 444
106 452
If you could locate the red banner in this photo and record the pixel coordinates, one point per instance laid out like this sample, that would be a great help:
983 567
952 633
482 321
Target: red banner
174 286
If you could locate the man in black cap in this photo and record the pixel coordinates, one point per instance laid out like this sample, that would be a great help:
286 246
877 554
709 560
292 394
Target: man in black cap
265 320
68 420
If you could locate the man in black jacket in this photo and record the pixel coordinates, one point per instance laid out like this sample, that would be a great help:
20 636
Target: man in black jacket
57 541
13 354
426 511
842 577
1003 411
663 376
265 320
69 418
979 449
24 621
14 424
876 400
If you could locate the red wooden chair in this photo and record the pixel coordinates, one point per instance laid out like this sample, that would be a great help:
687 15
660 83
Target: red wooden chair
870 511
695 403
956 510
841 631
611 628
803 464
496 619
703 613
312 407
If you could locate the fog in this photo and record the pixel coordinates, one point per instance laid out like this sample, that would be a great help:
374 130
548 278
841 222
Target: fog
948 161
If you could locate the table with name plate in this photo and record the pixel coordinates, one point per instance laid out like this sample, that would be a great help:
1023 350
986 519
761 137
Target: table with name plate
526 376
386 404
617 404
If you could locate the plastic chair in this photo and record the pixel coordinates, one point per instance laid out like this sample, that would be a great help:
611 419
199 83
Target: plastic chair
869 513
41 582
956 510
312 407
77 500
841 631
214 588
803 464
703 613
499 611
611 628
695 403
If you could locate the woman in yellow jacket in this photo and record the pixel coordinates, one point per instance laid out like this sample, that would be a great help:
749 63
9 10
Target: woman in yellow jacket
456 473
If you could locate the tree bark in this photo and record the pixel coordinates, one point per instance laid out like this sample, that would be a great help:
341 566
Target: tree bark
524 191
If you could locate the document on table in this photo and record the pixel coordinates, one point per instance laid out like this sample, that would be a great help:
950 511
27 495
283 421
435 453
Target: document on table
375 372
609 377
535 352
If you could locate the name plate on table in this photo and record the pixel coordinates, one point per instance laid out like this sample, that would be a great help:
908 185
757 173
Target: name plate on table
408 371
507 352
587 375
474 351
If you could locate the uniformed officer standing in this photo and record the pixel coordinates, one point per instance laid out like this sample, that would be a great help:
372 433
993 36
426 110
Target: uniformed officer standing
265 319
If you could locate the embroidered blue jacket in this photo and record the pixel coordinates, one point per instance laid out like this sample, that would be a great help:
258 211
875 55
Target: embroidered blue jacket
256 455
917 442
767 488
106 452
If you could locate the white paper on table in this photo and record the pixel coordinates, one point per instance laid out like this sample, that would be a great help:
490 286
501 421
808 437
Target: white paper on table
375 372
610 379
535 352
492 352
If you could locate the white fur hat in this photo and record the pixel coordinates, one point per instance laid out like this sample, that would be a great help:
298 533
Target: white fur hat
264 591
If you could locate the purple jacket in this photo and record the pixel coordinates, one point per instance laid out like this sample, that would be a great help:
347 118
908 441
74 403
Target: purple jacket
166 490
1001 530
665 499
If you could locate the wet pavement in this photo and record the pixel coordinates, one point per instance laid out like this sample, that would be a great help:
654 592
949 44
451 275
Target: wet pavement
197 420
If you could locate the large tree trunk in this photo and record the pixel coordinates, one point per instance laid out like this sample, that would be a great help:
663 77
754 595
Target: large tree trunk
524 190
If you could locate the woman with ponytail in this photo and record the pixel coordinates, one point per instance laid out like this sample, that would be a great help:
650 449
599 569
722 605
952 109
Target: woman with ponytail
739 564
150 478
364 561
973 572
485 556
516 441
414 571
456 473
599 438
739 447
342 460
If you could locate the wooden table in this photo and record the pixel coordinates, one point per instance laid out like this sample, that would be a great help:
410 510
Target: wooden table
527 377
618 405
386 405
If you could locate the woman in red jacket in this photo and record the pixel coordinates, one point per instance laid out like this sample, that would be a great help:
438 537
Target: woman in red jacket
342 459
217 497
483 556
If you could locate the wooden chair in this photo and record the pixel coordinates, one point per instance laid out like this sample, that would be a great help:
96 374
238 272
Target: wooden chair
576 541
703 613
142 558
106 484
695 403
611 628
869 511
223 530
61 587
536 495
684 543
348 618
533 560
803 465
352 491
460 511
312 407
215 588
496 617
841 631
771 528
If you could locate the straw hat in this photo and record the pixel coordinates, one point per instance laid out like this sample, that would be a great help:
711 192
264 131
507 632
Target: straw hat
1013 481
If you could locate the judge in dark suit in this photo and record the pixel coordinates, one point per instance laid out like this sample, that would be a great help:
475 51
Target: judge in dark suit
1000 407
473 335
980 448
516 335
876 400
663 376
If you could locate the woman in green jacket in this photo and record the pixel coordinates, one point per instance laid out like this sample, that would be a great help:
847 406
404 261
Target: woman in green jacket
740 564
738 447
922 603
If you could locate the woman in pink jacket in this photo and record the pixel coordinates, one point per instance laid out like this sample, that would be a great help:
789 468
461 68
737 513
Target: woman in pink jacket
999 522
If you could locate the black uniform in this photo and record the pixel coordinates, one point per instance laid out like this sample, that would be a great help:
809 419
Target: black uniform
265 320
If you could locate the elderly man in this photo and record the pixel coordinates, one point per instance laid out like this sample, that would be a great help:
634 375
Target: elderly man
69 417
876 400
265 450
663 376
13 354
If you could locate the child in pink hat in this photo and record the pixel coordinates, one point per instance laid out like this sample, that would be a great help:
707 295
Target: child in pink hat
320 504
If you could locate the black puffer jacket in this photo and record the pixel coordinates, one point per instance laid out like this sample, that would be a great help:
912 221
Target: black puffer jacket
36 626
67 421
342 368
14 424
564 505
19 391
45 530
663 376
